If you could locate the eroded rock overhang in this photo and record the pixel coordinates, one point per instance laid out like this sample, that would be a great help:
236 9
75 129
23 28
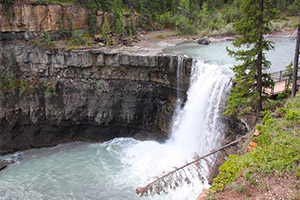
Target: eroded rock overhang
86 94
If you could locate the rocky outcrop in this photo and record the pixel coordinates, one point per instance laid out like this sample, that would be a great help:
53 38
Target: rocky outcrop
5 163
234 129
27 17
28 21
83 94
96 95
204 41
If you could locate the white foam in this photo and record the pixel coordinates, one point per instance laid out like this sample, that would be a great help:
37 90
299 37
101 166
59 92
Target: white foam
199 128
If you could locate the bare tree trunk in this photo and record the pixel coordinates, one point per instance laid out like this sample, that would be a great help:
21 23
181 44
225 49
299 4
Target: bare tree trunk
260 57
296 60
161 184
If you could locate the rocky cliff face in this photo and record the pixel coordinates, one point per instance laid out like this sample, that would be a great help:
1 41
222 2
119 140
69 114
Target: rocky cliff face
86 94
27 17
28 21
50 96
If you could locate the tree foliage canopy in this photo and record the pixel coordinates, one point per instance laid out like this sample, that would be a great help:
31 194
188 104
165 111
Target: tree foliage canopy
250 79
192 14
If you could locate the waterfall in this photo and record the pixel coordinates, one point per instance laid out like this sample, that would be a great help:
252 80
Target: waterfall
180 98
179 76
201 121
112 170
197 129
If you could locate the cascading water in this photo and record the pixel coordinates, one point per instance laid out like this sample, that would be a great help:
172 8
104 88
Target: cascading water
112 170
179 76
180 98
199 128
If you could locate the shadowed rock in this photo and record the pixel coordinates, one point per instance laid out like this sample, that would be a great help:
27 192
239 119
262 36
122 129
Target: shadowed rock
5 163
97 95
204 41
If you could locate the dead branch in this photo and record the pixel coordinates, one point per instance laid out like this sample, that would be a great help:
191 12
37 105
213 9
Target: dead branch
174 178
254 114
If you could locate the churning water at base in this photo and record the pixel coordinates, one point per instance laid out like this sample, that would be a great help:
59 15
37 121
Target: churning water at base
112 170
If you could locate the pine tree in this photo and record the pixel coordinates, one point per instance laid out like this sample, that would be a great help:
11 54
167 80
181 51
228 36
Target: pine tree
106 32
118 26
173 7
184 7
296 62
204 15
250 79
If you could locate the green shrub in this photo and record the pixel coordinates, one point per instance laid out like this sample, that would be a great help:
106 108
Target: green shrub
284 94
36 42
79 38
118 25
294 104
292 115
92 21
167 19
66 33
49 88
281 111
6 8
49 43
267 116
279 25
22 87
240 189
7 2
106 32
183 24
228 172
278 149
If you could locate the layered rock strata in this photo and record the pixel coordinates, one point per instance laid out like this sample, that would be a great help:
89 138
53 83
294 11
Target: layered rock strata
95 95
28 21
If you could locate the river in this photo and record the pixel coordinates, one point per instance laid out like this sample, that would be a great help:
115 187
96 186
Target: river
280 57
112 170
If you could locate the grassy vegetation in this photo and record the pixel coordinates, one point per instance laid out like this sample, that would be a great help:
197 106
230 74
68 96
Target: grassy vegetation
167 35
278 25
56 2
45 42
20 86
278 148
294 20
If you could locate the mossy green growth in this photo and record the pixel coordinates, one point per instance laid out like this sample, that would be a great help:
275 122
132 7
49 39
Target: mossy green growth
292 115
228 172
56 2
278 148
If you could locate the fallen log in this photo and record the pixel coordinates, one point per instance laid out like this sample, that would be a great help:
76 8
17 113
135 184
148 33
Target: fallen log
173 179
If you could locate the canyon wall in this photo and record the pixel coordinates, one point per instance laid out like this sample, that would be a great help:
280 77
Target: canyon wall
85 94
28 21
51 96
27 17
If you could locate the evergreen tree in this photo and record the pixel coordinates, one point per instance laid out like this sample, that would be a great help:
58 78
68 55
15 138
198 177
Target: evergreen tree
173 6
184 7
204 15
118 26
296 62
247 94
106 32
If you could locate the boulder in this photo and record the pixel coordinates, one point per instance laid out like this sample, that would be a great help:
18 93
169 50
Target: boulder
5 163
204 41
